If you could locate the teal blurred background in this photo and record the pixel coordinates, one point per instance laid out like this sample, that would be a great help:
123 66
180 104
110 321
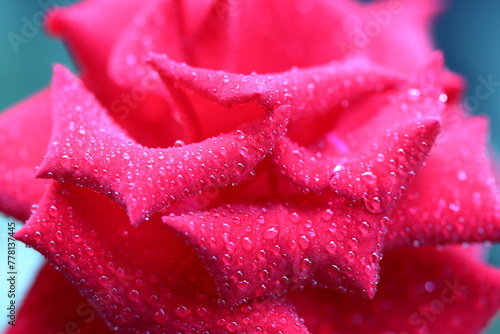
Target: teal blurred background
468 33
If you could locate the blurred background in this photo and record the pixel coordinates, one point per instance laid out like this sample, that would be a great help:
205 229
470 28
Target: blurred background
468 32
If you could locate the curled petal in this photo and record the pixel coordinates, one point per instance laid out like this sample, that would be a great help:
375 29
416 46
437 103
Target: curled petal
365 156
455 197
312 92
136 106
140 279
89 149
378 175
362 156
253 251
421 291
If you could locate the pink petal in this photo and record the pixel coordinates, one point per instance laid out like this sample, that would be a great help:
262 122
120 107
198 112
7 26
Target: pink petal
156 27
311 92
455 197
364 156
68 312
311 32
378 174
89 149
81 26
134 107
352 159
141 278
420 291
24 136
252 251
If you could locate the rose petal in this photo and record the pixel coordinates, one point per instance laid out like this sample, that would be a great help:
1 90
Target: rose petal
364 156
81 26
134 107
89 149
455 197
420 291
351 154
306 33
157 26
312 92
68 312
24 136
378 174
252 251
142 279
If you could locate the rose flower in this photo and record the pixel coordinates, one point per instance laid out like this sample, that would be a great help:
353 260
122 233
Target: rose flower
239 166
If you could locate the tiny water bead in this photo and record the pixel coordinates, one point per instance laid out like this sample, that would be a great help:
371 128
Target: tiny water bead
270 233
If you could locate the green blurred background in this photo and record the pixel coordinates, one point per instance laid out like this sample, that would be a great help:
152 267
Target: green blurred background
468 33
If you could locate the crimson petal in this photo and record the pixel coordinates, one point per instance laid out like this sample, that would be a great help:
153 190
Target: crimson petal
312 92
252 251
421 291
378 175
142 279
134 107
69 312
24 137
310 32
160 22
81 27
351 164
89 149
455 197
363 156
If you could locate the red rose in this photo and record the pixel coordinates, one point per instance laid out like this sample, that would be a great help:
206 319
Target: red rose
181 188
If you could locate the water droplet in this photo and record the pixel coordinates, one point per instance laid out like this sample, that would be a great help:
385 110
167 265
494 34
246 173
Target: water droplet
38 235
133 295
103 280
182 311
369 178
246 243
244 152
305 264
242 285
327 215
373 205
179 143
160 316
413 94
294 217
429 286
52 245
270 233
